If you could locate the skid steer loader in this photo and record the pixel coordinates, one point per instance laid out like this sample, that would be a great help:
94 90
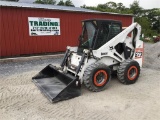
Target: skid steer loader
103 48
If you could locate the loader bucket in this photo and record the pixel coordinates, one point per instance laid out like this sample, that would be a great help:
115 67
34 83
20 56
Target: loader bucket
57 86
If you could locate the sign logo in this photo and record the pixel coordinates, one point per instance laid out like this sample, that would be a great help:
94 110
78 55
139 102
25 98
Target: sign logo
43 26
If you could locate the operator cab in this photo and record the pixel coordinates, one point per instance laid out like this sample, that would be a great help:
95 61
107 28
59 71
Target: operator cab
97 32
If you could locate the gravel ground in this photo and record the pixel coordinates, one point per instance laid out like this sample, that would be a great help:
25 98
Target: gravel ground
11 68
20 99
152 56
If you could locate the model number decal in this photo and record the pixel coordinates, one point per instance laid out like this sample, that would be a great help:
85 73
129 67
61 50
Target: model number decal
138 55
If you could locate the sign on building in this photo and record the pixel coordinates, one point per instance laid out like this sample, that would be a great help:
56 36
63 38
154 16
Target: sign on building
39 26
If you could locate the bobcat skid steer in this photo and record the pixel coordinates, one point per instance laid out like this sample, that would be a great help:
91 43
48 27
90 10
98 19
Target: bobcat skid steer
103 48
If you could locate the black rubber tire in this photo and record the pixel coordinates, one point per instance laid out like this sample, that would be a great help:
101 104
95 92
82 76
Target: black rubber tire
124 69
89 74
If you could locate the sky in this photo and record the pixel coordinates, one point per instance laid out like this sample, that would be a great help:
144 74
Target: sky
146 4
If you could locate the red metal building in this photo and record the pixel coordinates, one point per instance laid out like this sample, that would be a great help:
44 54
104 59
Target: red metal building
14 29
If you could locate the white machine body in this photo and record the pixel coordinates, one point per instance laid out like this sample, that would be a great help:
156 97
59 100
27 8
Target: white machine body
107 54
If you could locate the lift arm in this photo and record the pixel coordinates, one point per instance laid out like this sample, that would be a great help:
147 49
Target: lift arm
108 48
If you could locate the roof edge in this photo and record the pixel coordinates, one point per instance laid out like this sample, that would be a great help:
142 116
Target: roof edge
55 7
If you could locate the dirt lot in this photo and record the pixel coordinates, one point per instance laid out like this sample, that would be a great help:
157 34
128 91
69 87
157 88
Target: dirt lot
20 99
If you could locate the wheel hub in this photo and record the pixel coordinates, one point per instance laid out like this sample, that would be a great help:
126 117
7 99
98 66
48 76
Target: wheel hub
100 78
132 73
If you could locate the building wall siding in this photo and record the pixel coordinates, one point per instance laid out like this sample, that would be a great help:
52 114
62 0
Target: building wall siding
14 30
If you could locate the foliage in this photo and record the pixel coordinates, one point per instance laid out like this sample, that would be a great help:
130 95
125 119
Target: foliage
69 3
61 3
45 1
148 19
110 7
150 22
154 17
53 2
84 6
66 3
135 8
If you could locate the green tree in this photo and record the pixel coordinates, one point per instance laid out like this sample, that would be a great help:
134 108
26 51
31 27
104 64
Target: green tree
45 2
111 5
84 6
69 3
154 17
61 3
102 6
136 9
120 6
145 24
